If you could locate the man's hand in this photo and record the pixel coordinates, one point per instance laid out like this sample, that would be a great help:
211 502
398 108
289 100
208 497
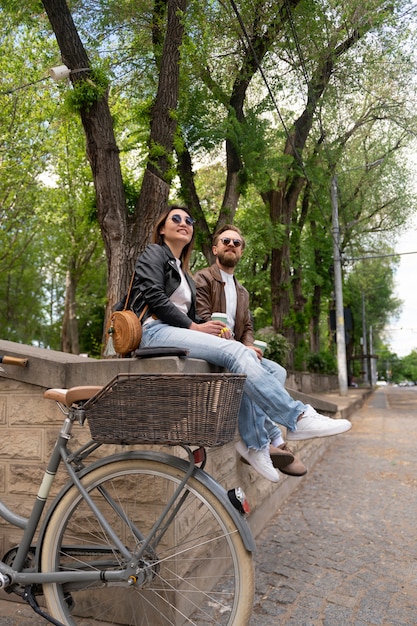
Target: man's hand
258 351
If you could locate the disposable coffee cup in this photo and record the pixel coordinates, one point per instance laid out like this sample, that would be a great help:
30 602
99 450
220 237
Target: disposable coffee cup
219 317
260 344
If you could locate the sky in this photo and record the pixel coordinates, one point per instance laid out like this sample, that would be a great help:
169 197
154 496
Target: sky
401 334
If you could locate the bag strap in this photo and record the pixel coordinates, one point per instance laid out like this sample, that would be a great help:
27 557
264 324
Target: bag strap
145 308
130 289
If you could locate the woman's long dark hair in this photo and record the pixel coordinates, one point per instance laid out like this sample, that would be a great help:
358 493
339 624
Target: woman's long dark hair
159 239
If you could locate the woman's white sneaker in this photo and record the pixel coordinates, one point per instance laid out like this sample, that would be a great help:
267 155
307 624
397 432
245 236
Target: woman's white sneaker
312 424
260 461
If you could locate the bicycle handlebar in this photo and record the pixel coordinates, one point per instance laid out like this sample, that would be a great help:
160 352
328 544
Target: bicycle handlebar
13 360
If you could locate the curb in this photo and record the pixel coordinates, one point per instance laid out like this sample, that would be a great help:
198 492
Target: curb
310 451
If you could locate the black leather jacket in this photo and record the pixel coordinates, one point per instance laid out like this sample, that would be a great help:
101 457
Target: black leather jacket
156 279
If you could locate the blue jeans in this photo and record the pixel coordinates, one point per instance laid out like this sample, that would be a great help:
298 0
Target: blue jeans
262 386
252 417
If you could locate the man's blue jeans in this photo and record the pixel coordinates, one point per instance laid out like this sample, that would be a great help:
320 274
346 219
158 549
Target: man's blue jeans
262 386
253 421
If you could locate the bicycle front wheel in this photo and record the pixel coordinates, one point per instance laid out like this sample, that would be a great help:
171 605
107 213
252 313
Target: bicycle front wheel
197 572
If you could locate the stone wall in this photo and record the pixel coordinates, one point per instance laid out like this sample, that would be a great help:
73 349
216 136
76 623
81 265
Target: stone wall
309 382
29 425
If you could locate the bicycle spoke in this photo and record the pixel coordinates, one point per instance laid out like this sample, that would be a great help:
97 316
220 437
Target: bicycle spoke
200 573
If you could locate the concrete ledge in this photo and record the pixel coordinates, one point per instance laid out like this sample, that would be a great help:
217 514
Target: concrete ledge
49 368
321 405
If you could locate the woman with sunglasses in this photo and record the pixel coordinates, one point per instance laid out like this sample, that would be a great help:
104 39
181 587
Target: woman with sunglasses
163 280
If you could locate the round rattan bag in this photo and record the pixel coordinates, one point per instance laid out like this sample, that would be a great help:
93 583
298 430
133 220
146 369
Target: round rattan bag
126 331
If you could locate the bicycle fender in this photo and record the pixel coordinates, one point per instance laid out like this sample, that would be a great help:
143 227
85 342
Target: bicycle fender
152 455
214 487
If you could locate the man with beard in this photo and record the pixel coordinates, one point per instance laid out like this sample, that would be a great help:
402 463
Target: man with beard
219 291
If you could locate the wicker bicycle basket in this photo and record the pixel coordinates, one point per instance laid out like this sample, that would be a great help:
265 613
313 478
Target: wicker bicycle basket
194 409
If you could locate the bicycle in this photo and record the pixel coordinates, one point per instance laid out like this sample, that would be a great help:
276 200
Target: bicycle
140 537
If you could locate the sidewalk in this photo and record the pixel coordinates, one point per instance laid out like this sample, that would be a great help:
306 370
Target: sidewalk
342 549
309 451
17 614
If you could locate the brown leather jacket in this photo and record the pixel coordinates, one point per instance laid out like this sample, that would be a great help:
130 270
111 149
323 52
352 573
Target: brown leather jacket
211 297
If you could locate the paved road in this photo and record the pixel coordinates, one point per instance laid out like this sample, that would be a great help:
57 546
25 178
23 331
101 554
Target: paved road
343 550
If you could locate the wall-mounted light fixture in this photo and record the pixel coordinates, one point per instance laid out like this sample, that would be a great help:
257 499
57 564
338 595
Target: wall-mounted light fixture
62 71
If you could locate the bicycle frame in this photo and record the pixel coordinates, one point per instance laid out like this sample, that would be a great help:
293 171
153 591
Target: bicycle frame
17 575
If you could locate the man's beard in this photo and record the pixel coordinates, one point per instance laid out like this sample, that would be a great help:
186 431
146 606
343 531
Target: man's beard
229 260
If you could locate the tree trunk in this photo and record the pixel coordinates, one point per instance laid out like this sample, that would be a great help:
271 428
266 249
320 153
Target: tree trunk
299 301
189 193
315 320
282 206
153 197
258 43
320 268
102 152
122 240
282 199
69 335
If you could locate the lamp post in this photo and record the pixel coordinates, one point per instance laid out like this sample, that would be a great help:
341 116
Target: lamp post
340 318
366 377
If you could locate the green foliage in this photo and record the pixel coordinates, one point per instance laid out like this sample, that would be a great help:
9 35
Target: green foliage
23 299
132 191
254 268
278 347
369 289
87 91
157 152
322 363
91 318
363 115
389 366
408 368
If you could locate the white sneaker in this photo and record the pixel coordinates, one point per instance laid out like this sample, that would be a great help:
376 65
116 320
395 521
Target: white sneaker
312 424
260 461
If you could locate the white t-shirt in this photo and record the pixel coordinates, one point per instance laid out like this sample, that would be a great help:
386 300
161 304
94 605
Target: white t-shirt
231 298
182 295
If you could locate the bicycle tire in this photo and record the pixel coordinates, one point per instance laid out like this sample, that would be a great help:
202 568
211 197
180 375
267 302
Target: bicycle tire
201 573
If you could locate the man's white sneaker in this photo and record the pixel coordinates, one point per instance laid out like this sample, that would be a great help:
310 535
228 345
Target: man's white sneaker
312 424
260 461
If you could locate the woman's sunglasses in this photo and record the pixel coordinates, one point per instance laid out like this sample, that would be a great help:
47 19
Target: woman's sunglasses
177 219
226 241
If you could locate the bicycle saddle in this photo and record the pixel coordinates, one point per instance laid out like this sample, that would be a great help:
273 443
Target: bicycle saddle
72 395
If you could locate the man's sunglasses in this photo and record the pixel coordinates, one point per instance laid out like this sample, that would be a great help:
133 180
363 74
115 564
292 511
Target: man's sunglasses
177 219
226 241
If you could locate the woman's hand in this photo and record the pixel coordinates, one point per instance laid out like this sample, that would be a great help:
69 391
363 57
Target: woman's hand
213 328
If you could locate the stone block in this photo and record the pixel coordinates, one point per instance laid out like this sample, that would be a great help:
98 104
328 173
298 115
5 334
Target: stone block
24 478
21 443
20 505
32 410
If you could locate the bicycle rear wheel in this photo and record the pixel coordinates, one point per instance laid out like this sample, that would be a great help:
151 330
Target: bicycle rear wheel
199 573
